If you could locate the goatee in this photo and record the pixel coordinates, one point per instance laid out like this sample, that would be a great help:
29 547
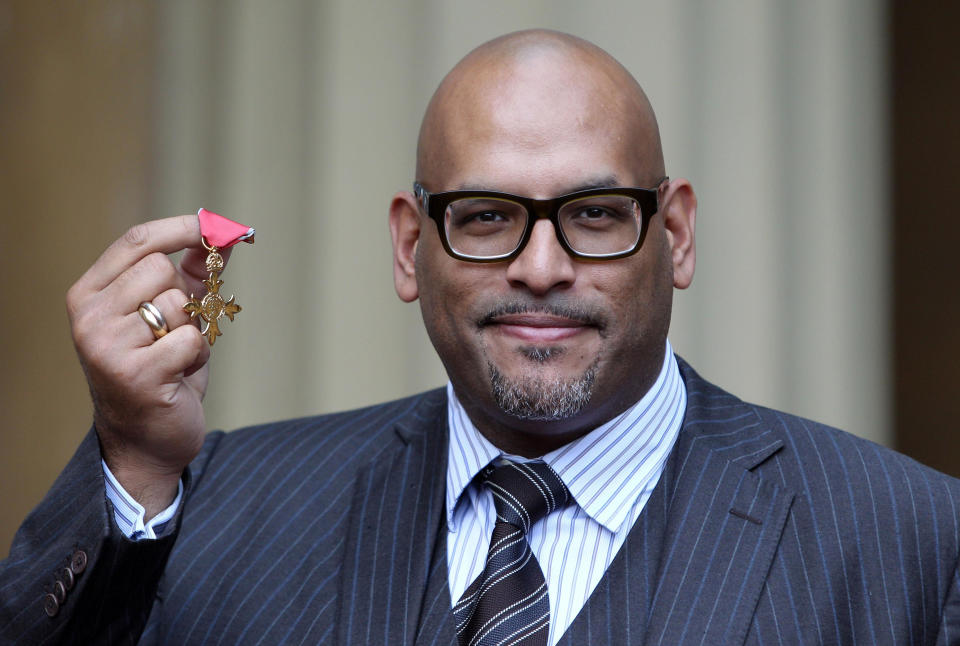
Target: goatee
538 399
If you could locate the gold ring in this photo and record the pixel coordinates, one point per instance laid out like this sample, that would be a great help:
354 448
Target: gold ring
152 317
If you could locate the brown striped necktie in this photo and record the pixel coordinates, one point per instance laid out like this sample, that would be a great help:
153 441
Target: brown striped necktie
508 602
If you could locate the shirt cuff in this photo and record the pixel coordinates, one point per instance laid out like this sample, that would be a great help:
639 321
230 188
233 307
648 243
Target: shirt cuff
129 513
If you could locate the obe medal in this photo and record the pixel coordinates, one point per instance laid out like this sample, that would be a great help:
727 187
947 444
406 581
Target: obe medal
216 233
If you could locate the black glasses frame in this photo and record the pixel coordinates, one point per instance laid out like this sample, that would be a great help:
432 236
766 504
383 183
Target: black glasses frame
434 205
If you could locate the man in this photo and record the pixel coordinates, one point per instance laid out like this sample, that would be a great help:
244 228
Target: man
575 482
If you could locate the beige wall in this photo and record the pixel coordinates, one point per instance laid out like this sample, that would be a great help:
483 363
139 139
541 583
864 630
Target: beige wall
75 159
300 118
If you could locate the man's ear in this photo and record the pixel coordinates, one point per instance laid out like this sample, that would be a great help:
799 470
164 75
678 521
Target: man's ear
405 232
678 206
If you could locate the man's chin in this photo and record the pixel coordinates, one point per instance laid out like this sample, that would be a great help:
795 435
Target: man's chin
542 395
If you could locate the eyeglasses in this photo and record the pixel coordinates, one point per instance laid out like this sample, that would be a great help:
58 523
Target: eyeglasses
489 226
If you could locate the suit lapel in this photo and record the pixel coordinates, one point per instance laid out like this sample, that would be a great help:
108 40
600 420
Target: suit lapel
436 619
723 525
390 548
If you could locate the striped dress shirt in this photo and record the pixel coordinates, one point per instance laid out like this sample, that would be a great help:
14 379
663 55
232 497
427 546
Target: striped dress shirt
129 514
610 473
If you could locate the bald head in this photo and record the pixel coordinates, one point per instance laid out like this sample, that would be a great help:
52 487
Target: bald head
533 93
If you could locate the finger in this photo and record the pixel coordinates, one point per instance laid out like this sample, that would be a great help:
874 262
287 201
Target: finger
128 332
201 360
182 350
170 303
165 236
133 328
151 275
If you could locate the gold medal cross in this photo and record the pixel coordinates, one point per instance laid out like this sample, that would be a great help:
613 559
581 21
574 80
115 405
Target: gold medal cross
212 306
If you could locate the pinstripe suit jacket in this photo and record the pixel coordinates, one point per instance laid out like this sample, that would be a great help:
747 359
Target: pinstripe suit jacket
330 530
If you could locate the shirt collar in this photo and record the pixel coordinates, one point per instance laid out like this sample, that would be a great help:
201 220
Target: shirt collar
606 470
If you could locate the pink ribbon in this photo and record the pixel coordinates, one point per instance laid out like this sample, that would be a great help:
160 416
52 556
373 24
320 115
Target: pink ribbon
221 232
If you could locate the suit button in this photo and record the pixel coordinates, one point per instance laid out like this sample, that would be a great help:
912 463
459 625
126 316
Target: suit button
59 591
78 562
67 574
50 605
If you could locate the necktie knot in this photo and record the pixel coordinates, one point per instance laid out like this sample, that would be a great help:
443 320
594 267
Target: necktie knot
524 493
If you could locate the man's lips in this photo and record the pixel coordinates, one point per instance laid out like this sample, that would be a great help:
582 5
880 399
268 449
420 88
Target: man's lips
538 327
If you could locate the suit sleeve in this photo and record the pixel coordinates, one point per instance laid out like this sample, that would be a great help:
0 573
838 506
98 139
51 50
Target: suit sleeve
72 577
949 633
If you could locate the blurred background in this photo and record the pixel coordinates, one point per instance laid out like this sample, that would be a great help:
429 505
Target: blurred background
820 137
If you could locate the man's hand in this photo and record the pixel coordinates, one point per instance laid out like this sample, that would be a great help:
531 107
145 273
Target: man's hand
146 392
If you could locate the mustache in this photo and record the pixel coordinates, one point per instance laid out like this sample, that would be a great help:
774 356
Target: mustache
581 313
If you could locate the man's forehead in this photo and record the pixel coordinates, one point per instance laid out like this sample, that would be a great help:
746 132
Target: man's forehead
590 182
520 102
572 186
543 156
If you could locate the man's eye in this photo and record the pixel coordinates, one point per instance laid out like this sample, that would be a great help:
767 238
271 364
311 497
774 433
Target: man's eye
593 213
596 215
482 217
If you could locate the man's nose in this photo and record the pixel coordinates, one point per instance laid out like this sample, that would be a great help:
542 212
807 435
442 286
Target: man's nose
543 264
